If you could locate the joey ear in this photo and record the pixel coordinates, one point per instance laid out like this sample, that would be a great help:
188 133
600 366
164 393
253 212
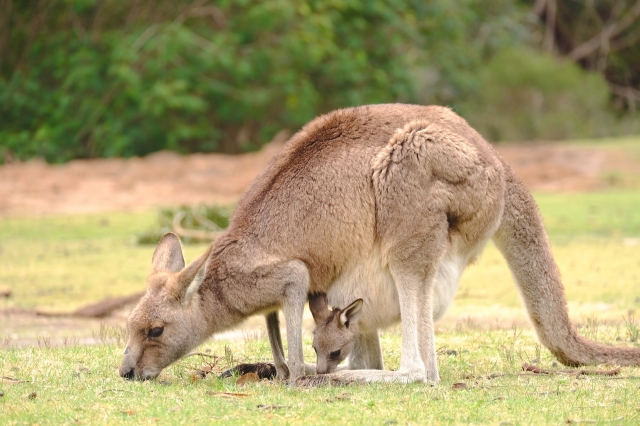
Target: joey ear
319 306
188 281
168 255
351 314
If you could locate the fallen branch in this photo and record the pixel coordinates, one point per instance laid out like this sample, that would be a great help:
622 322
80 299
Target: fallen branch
107 306
538 370
99 309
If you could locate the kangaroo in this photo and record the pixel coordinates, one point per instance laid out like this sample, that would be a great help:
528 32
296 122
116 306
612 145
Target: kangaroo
388 203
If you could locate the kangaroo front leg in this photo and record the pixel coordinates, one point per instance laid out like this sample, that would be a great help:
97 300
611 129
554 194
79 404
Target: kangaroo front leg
277 349
273 330
295 297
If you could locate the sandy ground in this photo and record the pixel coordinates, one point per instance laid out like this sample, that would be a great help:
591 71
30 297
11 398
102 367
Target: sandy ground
35 188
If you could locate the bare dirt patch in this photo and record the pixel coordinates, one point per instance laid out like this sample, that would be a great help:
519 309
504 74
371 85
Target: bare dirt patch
134 184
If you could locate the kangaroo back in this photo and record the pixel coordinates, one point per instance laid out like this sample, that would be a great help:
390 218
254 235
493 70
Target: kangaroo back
523 242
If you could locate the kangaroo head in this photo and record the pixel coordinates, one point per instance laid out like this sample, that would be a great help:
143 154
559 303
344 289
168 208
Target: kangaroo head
335 333
166 323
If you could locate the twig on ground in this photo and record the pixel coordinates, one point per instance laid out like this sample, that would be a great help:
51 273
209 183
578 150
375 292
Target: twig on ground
227 394
12 381
201 354
114 390
538 370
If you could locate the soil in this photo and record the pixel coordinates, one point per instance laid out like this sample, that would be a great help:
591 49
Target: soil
133 184
35 188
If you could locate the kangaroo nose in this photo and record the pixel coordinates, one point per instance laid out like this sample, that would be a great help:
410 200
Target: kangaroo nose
129 375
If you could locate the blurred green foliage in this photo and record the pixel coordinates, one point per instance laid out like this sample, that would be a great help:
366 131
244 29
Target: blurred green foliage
599 35
102 78
91 78
530 95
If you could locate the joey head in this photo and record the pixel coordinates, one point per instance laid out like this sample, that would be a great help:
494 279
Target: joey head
335 332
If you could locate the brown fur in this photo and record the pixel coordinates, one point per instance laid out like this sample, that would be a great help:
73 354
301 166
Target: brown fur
387 201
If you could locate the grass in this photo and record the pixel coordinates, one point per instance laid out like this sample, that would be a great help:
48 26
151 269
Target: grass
63 262
60 263
79 384
614 214
595 271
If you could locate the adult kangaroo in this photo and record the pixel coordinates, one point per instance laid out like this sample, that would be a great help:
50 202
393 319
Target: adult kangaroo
388 203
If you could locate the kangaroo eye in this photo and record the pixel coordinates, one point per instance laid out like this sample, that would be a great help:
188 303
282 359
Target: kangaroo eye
335 354
155 332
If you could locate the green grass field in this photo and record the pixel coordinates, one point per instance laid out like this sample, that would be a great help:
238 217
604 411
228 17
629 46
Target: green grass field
61 263
79 384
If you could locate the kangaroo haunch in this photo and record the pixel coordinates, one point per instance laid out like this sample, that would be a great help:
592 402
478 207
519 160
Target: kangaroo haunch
387 203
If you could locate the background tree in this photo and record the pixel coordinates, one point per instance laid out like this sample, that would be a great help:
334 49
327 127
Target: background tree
602 36
95 78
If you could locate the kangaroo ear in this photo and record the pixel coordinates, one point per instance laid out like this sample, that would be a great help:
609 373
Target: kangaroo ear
168 255
319 306
351 314
188 281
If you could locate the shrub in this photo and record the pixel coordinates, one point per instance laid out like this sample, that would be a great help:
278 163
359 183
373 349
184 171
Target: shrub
527 95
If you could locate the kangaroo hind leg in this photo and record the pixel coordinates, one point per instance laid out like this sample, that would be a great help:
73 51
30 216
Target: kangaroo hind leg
414 264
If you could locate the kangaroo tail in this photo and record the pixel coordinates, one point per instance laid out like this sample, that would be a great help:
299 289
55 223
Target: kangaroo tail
523 242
